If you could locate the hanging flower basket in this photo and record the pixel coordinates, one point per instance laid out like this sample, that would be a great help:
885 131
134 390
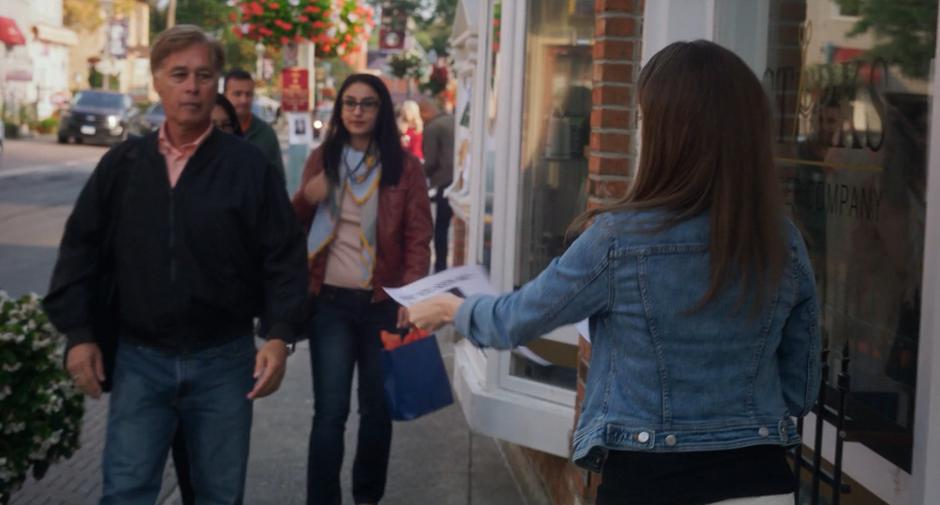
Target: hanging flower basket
408 65
40 410
337 27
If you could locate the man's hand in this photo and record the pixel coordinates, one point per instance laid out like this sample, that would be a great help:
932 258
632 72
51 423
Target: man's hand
316 189
270 365
85 365
434 312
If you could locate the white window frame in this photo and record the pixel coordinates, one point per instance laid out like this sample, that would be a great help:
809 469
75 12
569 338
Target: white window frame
505 233
712 20
494 402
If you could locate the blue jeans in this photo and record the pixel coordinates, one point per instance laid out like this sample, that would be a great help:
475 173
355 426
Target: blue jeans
204 394
344 334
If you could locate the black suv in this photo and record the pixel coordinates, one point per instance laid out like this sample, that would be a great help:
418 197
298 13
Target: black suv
97 116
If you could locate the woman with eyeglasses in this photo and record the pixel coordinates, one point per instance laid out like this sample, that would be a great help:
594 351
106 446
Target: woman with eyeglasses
364 204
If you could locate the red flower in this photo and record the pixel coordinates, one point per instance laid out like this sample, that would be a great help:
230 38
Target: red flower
284 41
256 9
327 48
303 19
265 31
237 31
273 5
318 24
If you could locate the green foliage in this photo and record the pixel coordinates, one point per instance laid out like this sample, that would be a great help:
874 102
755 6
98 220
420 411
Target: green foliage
40 410
95 78
906 30
48 125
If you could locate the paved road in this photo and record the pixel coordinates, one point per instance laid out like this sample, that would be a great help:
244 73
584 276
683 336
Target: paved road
435 460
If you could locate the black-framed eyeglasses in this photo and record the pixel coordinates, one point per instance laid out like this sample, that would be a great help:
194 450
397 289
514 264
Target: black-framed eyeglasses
367 105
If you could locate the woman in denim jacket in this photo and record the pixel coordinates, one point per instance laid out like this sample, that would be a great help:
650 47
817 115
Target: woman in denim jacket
701 299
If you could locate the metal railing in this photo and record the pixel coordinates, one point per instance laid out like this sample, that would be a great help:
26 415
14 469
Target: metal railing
818 473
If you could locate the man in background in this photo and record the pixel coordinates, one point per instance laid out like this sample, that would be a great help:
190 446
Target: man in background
438 146
239 88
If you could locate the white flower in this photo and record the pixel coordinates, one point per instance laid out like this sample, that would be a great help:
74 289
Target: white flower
11 367
14 428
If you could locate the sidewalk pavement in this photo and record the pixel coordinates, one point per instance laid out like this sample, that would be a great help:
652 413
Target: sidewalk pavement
435 459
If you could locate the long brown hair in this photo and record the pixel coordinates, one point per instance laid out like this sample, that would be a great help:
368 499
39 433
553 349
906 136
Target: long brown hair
706 147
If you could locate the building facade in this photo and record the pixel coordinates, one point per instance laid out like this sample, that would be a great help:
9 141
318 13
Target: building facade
120 49
547 124
35 74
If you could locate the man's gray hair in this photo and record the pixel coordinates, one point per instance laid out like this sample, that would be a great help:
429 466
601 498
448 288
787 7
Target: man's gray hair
182 37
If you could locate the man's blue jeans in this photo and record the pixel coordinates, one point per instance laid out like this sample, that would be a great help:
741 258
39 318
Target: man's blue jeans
205 394
344 335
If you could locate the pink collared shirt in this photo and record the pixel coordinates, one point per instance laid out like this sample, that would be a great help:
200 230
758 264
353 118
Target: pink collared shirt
176 157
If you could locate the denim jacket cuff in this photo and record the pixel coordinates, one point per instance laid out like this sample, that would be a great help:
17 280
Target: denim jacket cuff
463 319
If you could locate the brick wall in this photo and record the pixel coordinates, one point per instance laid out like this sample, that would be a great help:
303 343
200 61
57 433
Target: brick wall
617 52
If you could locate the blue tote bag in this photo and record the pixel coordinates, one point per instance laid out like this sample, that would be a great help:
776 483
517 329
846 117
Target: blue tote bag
416 381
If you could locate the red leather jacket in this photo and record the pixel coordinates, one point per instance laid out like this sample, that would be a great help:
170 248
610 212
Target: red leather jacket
403 230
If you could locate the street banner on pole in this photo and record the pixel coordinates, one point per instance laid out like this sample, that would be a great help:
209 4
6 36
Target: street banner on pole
295 83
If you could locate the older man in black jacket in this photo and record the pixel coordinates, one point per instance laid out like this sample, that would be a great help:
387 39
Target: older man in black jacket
181 238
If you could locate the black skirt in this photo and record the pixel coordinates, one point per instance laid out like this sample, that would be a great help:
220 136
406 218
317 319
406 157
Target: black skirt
687 478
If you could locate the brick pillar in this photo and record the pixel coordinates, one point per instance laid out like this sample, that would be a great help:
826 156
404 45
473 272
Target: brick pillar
618 39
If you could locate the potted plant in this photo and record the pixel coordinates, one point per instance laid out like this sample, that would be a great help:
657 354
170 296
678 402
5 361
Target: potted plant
40 409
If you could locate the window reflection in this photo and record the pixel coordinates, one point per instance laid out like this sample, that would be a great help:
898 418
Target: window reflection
556 129
851 101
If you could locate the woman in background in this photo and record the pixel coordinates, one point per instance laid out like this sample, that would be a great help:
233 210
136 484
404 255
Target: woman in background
412 128
701 299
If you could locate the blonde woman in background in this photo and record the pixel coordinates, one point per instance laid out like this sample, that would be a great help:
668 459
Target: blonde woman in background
412 128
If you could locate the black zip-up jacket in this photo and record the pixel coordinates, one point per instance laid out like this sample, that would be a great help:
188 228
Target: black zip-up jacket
193 264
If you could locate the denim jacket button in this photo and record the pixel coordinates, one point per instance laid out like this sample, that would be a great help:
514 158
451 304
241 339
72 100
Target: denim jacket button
671 440
642 437
763 431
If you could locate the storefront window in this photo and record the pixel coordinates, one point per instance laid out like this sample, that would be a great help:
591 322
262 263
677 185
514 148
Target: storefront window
851 99
556 128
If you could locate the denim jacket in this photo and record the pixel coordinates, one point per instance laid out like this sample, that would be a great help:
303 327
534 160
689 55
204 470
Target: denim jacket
664 378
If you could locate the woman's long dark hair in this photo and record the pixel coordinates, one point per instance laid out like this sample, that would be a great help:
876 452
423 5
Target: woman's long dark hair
706 147
223 102
385 135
